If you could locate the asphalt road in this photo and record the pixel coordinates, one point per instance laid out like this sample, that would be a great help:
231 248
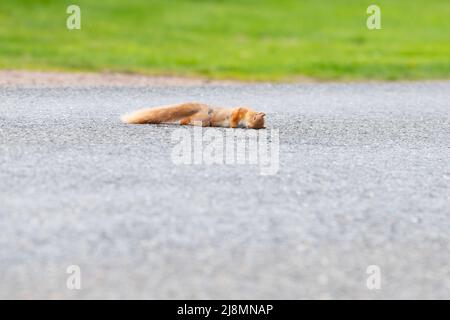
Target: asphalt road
364 179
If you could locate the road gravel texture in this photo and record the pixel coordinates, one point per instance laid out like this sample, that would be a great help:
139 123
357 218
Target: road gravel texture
363 179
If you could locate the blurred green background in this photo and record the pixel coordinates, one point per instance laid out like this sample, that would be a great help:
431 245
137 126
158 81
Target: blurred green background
236 39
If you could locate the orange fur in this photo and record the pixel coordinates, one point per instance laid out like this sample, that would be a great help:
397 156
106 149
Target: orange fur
198 114
162 114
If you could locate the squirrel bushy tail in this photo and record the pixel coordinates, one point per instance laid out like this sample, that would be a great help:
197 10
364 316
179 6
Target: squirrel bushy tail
162 114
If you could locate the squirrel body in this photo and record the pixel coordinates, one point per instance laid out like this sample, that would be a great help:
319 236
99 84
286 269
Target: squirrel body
193 113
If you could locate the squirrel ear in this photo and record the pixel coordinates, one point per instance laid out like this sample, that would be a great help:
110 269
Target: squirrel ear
262 114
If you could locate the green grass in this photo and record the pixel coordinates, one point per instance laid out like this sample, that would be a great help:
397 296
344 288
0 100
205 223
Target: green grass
238 39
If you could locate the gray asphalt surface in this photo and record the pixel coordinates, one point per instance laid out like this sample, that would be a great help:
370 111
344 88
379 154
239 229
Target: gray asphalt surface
364 179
